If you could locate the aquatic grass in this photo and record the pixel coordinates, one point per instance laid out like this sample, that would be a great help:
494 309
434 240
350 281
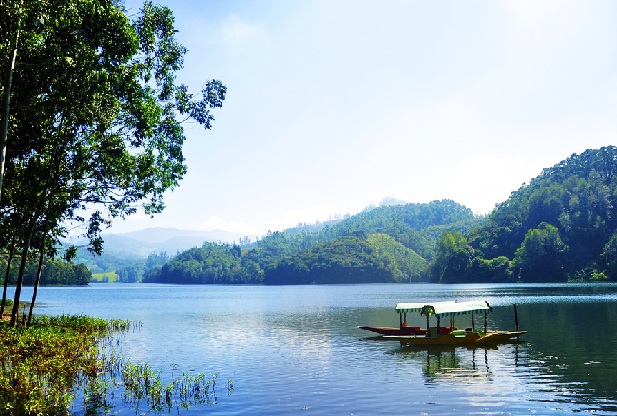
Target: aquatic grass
83 323
45 367
40 364
144 389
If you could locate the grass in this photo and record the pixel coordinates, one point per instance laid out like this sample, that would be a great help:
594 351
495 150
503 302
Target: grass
39 364
57 361
107 277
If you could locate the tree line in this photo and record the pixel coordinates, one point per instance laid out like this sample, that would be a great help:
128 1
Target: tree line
91 123
560 227
384 244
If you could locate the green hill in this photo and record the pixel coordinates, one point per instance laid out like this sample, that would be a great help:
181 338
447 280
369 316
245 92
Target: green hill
561 226
376 258
386 244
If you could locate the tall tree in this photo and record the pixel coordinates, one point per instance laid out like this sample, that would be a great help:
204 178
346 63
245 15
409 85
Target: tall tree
107 127
10 12
542 256
455 259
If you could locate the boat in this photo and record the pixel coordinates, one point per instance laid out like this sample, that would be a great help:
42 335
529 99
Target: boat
453 336
404 329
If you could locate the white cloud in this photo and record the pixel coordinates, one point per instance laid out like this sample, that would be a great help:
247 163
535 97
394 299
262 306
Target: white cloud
287 219
240 36
217 223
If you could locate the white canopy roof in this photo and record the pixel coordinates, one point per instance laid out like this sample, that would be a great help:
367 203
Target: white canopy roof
443 308
417 306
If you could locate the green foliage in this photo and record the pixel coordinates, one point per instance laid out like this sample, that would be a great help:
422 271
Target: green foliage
454 260
53 273
386 244
497 270
416 226
109 277
143 384
44 365
210 263
609 258
542 256
376 258
95 122
41 363
558 227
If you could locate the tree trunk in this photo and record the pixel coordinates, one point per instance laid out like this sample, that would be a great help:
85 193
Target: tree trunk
6 102
6 278
38 277
20 276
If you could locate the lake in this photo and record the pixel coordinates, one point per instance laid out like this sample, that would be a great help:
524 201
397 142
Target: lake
297 349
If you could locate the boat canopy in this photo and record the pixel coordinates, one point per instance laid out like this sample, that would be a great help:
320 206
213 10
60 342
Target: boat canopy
453 309
417 306
448 308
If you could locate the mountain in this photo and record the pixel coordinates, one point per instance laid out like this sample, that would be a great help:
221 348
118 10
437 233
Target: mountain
125 250
562 226
385 244
157 240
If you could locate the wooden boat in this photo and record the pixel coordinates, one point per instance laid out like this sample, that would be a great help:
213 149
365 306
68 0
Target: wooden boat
467 336
392 331
404 329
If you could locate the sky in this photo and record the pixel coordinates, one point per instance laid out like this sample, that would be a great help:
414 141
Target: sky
333 106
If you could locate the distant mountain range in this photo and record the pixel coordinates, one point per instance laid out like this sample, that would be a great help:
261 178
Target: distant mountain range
157 240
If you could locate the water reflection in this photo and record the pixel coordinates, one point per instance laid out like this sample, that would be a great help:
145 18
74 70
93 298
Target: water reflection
505 375
444 363
292 349
566 363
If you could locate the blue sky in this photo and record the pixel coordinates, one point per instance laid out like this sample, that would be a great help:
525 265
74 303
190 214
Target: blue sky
336 105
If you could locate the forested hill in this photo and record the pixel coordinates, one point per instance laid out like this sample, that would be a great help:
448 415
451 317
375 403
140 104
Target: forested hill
561 226
385 244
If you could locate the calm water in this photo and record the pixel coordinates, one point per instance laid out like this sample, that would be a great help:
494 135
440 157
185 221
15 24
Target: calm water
297 350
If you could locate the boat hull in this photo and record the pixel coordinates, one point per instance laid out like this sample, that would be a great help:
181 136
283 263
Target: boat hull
460 338
500 337
393 331
405 330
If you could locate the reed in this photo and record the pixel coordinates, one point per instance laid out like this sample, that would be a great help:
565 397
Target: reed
45 367
39 364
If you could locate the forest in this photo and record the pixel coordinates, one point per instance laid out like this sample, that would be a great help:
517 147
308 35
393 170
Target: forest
385 244
560 227
55 272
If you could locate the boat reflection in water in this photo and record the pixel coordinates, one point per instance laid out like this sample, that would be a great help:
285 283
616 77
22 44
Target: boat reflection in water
449 363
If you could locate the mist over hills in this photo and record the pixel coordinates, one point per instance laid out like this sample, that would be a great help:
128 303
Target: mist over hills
124 249
140 244
157 240
561 226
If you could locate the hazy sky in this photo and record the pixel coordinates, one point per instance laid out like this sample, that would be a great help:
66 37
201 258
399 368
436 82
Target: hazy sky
334 105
